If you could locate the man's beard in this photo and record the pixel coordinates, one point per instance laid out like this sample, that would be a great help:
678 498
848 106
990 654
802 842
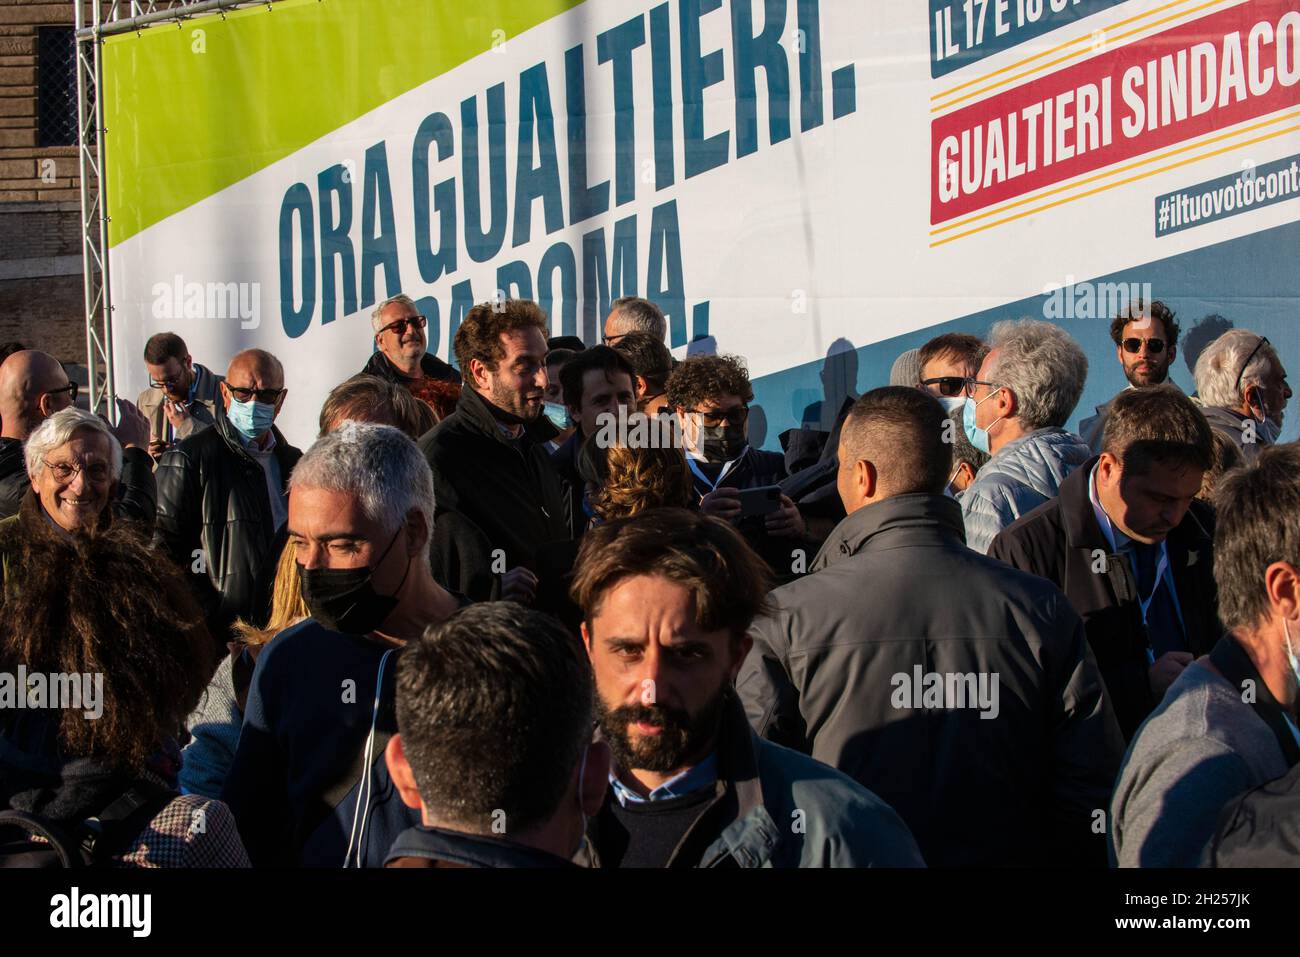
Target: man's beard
514 403
681 737
1156 376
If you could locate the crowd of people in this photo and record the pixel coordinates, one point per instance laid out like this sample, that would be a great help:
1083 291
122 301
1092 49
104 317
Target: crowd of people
551 608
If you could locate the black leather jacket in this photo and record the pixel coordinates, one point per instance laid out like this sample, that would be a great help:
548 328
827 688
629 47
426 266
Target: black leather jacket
212 496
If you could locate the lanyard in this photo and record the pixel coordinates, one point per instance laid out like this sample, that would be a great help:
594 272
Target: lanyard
721 475
1160 574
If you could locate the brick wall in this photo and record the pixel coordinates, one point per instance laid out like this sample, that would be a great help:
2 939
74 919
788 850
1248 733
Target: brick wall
41 294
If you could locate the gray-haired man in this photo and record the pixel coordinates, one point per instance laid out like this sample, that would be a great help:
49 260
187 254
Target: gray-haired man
401 346
633 314
308 785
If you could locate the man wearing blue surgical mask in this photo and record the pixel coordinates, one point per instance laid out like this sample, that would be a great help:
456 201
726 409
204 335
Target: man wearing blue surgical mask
221 496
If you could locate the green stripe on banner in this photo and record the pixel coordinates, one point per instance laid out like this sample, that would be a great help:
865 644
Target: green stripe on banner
182 124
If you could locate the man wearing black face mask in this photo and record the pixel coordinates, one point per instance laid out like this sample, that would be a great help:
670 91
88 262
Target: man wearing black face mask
308 785
710 396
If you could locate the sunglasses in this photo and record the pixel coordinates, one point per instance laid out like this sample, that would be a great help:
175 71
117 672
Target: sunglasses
1134 346
712 420
269 396
399 327
950 386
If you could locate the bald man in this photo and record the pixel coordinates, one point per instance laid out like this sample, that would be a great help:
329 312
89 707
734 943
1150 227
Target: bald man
33 386
960 691
222 496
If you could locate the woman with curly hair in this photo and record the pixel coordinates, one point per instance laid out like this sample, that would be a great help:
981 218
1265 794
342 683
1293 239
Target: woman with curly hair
97 609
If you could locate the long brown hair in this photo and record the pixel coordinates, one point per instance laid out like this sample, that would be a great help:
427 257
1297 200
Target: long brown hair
106 604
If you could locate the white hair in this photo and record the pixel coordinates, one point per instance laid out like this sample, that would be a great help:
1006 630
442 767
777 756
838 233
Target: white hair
376 463
58 430
376 317
1219 366
634 314
1042 366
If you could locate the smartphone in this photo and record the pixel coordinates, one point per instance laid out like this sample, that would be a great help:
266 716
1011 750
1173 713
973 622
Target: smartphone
760 501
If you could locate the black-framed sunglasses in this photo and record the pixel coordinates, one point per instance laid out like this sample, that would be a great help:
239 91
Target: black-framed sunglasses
171 382
950 386
400 325
712 420
1133 346
71 388
243 394
1263 341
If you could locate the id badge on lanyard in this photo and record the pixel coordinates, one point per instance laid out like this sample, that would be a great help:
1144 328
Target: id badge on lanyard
721 475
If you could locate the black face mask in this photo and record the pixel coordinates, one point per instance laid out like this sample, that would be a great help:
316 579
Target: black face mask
344 600
721 443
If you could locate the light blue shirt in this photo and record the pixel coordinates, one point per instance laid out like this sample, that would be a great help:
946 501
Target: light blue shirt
703 775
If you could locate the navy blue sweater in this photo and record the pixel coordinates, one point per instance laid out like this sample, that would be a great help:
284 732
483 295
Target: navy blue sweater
305 730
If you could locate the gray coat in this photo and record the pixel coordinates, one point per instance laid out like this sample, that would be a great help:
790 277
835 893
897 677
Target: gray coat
893 592
1239 428
1023 475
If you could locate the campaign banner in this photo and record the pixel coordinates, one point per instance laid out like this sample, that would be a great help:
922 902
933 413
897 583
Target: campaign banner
816 185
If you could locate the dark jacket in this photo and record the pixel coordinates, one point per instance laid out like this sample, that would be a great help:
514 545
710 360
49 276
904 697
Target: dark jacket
299 769
509 491
430 365
760 791
896 597
212 496
1062 542
137 494
437 847
565 460
755 469
1261 828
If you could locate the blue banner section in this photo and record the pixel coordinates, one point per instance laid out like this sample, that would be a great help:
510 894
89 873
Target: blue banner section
1215 199
1255 286
963 32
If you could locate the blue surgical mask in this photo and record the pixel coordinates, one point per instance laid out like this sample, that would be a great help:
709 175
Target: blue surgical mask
1268 430
1290 655
557 413
978 437
251 418
951 403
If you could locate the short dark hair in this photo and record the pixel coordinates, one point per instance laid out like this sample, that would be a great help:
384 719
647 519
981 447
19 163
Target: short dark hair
699 378
597 357
1255 526
971 350
368 398
641 314
479 335
650 358
901 431
495 706
1137 310
1157 425
705 554
559 356
163 346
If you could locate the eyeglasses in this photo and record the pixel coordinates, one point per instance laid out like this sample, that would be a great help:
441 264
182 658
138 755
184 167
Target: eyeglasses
610 340
399 327
243 394
63 472
171 382
1134 346
71 388
1263 341
949 385
712 420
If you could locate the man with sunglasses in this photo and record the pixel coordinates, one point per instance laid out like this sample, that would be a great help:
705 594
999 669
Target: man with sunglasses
948 363
1242 385
401 348
710 396
183 396
1146 344
34 386
222 496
